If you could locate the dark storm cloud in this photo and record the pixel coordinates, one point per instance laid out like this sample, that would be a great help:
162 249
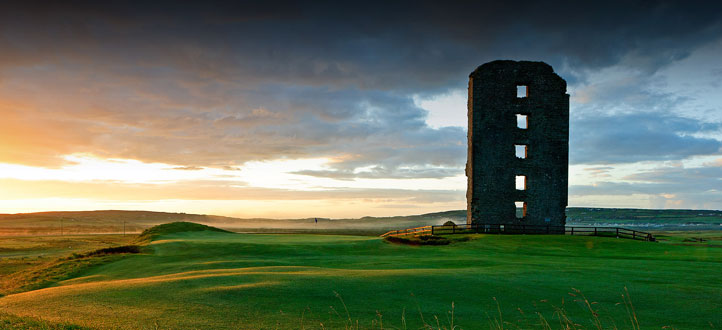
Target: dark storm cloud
370 129
397 45
219 84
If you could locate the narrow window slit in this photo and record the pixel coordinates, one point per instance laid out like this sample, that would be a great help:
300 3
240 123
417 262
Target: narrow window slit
522 91
522 121
521 151
521 182
520 209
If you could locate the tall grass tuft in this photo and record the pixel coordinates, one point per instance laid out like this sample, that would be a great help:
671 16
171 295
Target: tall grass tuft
630 309
597 318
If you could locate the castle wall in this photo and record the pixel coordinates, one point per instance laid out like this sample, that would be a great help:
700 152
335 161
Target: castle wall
494 138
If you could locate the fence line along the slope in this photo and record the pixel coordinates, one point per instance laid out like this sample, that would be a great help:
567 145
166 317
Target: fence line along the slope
522 229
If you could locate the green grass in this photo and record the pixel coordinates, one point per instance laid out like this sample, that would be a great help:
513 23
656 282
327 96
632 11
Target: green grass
209 279
49 273
12 322
20 256
695 238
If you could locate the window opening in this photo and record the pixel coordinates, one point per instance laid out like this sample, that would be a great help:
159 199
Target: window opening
521 151
522 91
522 121
521 182
520 209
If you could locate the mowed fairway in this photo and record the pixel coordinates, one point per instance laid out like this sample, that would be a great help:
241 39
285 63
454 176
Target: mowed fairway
212 280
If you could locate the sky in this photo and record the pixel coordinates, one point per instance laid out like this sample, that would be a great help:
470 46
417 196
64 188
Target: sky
325 109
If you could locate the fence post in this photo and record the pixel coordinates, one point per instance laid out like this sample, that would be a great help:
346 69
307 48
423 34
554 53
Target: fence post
595 231
453 229
634 234
617 232
432 230
572 231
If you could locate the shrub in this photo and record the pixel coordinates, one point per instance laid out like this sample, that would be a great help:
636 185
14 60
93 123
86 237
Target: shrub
421 240
106 251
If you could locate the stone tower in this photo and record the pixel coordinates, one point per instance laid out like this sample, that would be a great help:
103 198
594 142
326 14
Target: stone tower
518 145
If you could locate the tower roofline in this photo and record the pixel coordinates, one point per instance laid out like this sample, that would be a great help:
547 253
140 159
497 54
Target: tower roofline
504 64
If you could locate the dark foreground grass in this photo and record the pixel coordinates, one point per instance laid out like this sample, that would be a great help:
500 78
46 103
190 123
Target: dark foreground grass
215 280
12 322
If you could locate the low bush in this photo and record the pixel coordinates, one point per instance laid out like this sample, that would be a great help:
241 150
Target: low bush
106 251
420 240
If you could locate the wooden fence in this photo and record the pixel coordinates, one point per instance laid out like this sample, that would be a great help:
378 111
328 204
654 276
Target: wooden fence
517 229
418 231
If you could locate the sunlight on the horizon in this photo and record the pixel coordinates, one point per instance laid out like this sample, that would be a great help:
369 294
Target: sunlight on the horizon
272 208
279 173
74 187
84 167
84 171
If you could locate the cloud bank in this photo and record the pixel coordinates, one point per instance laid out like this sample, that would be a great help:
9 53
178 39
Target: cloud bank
221 84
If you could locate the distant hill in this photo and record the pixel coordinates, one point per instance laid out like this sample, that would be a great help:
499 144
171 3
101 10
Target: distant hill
108 221
113 221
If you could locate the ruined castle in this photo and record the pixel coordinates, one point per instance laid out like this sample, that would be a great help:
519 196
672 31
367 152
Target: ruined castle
518 154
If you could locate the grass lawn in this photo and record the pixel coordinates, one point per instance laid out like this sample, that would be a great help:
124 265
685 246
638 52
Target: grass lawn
261 281
21 252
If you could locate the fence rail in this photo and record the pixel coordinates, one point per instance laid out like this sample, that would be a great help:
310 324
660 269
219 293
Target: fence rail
523 229
418 231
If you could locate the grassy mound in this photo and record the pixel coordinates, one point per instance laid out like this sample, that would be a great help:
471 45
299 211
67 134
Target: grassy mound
47 274
175 227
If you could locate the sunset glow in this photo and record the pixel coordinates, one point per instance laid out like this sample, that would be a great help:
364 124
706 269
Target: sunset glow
255 189
163 113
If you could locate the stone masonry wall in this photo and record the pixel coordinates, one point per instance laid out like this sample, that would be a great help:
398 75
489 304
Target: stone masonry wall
492 164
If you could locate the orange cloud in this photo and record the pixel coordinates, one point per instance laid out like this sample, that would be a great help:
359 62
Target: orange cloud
27 137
